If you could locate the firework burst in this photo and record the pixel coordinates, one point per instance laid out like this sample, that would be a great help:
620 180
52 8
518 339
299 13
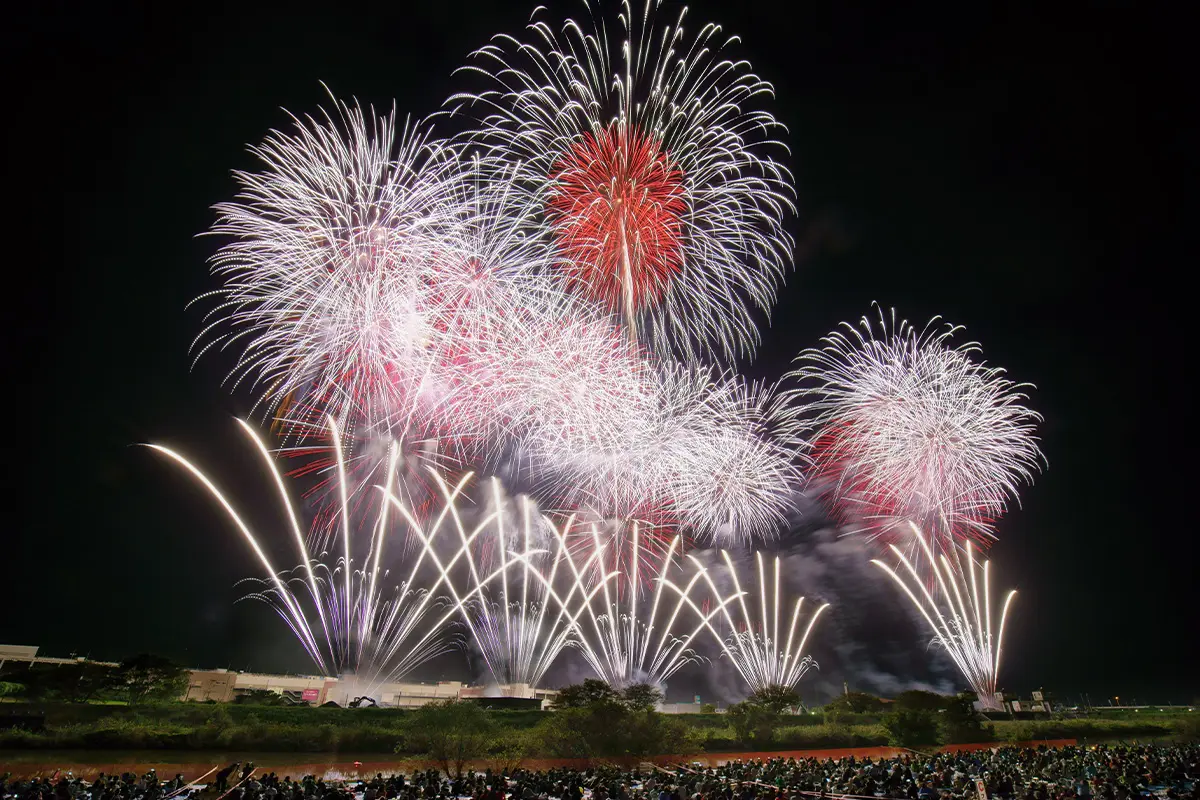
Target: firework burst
377 276
908 427
329 249
959 613
654 165
368 271
704 453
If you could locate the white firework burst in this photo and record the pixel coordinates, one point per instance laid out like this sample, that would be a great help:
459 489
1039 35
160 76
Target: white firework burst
908 427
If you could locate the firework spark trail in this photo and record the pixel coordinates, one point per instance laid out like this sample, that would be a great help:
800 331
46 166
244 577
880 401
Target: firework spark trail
624 640
908 427
656 171
753 644
515 629
352 623
960 614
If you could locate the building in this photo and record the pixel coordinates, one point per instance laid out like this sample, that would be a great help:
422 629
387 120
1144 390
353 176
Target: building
11 654
224 686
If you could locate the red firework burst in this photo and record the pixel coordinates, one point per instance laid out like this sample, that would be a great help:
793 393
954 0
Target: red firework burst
617 207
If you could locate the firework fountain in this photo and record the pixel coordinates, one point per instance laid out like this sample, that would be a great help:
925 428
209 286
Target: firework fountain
515 628
344 608
756 645
624 629
960 612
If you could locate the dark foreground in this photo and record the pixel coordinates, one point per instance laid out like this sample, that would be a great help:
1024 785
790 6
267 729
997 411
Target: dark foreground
1102 772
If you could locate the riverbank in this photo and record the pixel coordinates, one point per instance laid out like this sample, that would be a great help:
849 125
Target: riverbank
266 729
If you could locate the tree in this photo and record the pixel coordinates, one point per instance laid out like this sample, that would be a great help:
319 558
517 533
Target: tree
960 723
855 703
776 698
9 688
77 682
650 734
910 728
451 733
918 700
753 723
708 708
590 692
90 681
606 730
149 677
594 731
641 697
508 750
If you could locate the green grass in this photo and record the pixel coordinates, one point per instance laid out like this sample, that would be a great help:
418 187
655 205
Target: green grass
197 726
1031 730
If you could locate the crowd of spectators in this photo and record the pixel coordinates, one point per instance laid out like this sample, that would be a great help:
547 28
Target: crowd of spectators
1102 772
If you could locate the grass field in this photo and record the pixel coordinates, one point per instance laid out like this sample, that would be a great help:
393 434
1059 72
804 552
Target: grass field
191 726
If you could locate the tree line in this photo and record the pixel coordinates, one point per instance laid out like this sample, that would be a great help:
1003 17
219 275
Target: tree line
138 679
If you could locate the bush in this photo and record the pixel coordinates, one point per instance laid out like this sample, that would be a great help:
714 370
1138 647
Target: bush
855 703
754 725
1029 731
452 733
815 737
960 724
908 728
1187 726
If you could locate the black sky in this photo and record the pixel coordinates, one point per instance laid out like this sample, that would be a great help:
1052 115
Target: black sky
1019 169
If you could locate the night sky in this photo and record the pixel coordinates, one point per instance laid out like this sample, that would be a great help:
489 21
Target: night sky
1019 170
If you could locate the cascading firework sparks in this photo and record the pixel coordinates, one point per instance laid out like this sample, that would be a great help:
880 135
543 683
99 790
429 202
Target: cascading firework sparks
624 637
907 427
352 620
959 609
513 626
654 165
753 644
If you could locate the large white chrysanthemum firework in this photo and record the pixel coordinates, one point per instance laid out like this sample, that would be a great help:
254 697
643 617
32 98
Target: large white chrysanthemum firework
908 427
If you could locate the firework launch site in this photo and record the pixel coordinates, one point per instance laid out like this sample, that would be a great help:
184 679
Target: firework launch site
147 704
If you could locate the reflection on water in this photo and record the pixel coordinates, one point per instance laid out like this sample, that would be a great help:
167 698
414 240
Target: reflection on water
90 763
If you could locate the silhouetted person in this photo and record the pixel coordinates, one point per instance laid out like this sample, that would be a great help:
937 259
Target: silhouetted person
222 781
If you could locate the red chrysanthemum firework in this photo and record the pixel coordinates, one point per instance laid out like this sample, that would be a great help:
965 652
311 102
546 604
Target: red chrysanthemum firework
617 208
